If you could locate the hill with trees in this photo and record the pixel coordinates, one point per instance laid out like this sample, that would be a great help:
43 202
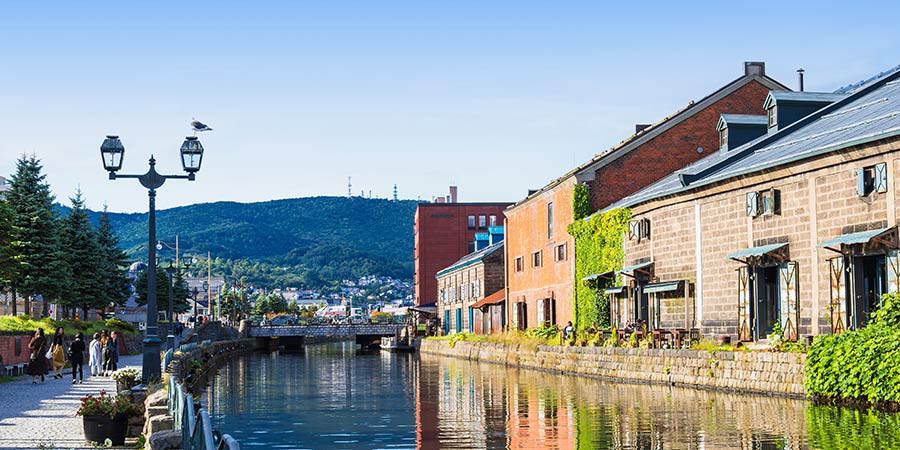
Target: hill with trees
309 242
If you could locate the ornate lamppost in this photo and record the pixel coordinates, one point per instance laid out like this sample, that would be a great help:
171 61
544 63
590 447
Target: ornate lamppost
112 152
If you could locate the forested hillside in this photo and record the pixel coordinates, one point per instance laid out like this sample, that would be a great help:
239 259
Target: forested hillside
305 241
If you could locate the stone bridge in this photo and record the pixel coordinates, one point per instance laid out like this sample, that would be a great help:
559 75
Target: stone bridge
293 336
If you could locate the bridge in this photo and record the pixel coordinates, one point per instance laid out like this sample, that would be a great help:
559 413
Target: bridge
293 336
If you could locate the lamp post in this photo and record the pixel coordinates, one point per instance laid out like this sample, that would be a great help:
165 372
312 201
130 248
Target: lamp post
208 301
170 337
112 152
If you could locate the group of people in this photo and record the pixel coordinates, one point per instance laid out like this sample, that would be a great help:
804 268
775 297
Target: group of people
102 352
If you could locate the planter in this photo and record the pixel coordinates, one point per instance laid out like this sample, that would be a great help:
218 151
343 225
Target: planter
125 385
100 427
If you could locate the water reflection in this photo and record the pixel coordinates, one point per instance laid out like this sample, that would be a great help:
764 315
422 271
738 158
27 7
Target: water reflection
333 397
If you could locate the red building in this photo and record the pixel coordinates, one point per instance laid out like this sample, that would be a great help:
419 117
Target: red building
445 232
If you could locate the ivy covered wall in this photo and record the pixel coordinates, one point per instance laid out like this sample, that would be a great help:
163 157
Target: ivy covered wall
598 248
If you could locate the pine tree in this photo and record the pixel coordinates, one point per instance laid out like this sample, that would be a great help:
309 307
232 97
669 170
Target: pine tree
114 286
44 269
10 253
83 256
179 291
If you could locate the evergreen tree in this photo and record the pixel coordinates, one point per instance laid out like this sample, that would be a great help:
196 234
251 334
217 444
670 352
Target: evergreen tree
35 224
10 253
83 255
113 265
179 291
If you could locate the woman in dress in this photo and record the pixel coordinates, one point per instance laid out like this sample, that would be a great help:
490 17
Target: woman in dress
37 364
95 359
76 357
57 352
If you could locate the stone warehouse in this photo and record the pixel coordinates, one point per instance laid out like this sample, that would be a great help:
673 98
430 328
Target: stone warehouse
470 291
790 226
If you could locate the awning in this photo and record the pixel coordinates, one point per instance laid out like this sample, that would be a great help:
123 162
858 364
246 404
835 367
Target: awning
640 266
428 308
614 290
762 250
492 299
666 286
863 237
600 276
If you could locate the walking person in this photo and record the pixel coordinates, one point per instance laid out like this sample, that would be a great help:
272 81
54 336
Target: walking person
112 358
76 357
104 352
95 358
37 363
57 353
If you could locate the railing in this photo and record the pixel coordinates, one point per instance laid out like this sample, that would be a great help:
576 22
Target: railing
196 428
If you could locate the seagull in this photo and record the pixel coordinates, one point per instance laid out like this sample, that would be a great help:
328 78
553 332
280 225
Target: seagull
199 126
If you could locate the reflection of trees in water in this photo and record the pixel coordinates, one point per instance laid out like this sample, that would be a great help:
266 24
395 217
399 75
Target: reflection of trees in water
555 411
833 427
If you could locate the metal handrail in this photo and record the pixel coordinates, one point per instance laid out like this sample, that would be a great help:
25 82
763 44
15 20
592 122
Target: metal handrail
202 438
196 428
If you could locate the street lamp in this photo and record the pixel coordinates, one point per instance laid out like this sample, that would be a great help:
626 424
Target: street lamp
208 300
187 260
112 153
170 337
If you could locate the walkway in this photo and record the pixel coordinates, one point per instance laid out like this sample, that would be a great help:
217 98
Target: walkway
42 416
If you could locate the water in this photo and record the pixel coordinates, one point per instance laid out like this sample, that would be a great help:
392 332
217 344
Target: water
332 397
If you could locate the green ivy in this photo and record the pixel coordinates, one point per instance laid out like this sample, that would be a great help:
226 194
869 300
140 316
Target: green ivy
581 202
599 248
861 365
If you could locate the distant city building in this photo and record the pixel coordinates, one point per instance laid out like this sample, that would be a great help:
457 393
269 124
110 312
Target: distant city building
4 186
445 232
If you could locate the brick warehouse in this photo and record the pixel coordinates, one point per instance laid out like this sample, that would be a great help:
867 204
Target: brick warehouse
470 291
444 231
541 254
797 227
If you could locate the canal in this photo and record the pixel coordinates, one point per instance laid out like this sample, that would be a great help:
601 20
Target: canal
333 397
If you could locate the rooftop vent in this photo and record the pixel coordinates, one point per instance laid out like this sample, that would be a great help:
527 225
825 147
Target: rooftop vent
754 68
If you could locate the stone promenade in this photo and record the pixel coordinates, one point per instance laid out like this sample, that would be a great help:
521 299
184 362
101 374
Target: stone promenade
43 415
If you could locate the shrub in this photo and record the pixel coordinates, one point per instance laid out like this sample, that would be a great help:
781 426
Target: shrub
119 325
108 405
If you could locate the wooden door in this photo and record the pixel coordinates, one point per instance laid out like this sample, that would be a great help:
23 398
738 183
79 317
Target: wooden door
838 303
744 303
789 309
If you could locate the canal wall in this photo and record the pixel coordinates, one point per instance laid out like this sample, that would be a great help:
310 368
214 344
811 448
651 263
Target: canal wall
767 373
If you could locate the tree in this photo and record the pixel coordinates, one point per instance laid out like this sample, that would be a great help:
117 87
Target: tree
44 269
113 264
11 264
179 291
83 255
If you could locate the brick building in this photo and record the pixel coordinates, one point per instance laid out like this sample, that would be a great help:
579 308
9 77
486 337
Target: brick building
540 252
444 231
470 291
795 229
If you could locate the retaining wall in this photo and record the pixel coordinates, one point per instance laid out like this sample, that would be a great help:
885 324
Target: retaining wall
749 372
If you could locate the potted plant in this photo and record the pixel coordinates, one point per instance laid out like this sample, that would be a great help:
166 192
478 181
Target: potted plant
106 417
126 379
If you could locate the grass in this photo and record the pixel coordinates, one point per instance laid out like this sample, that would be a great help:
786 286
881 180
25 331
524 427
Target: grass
23 323
5 379
508 337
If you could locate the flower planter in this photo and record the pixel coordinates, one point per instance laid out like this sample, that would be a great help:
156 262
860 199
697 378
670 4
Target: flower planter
100 427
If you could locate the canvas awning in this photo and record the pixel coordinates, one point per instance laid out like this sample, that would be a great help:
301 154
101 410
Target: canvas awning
614 290
667 286
862 237
599 276
492 299
635 267
752 252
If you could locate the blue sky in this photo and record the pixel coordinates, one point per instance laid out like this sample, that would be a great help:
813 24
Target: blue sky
497 97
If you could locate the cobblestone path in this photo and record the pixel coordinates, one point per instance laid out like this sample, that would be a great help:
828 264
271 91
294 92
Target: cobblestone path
39 415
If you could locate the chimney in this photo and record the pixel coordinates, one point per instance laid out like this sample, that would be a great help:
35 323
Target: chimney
754 68
453 192
641 127
800 74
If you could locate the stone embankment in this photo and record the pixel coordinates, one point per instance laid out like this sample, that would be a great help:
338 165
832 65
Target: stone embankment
767 373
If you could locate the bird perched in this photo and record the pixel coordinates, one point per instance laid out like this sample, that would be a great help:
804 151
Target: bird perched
199 126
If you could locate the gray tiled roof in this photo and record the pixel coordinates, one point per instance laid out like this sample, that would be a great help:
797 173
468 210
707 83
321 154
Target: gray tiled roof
806 96
749 119
870 113
472 258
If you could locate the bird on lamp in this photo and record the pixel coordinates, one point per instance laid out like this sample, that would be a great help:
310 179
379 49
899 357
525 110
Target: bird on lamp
199 126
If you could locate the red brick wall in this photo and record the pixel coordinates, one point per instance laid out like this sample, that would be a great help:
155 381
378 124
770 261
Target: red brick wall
673 149
442 237
8 349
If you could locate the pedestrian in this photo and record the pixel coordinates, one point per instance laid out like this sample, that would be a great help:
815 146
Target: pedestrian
58 355
112 345
37 362
95 355
104 351
569 331
76 357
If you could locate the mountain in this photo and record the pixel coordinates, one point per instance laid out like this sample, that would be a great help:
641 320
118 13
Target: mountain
323 238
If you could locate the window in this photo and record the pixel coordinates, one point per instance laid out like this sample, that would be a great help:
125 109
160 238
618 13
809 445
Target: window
753 208
482 221
520 264
723 138
471 222
773 117
639 229
550 220
471 246
493 220
763 203
871 179
537 259
560 253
